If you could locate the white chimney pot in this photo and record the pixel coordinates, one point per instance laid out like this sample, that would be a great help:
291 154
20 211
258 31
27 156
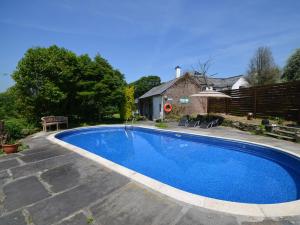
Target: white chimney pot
178 71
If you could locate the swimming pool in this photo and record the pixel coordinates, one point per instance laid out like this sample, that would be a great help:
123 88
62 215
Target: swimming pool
207 166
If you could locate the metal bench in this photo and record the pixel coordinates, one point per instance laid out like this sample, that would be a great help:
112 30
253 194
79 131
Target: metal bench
49 121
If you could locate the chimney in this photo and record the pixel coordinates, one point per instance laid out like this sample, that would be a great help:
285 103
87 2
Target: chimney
178 71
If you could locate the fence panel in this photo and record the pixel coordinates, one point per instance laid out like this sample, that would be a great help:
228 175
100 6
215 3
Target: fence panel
282 100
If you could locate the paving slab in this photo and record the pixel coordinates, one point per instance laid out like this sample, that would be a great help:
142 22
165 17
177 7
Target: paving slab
16 218
54 209
5 157
78 219
62 177
4 177
134 205
270 222
197 217
8 164
35 167
34 150
72 174
23 192
44 155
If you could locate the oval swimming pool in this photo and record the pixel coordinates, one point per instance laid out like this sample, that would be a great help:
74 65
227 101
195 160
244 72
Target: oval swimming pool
212 167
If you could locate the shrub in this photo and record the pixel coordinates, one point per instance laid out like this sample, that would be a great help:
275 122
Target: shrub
260 130
18 128
279 120
128 103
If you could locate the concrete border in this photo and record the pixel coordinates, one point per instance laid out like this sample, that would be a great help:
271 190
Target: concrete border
255 210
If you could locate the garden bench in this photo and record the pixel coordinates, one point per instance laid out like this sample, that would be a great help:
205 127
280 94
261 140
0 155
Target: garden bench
48 121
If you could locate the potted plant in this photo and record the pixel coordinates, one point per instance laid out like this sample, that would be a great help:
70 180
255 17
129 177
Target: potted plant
10 145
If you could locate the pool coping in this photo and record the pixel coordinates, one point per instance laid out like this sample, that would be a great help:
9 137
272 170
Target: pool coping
254 210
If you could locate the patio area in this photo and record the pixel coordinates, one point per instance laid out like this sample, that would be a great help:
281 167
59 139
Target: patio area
48 184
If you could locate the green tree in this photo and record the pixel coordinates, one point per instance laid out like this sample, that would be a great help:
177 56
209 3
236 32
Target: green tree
144 84
8 104
56 81
262 68
110 89
45 82
292 69
127 103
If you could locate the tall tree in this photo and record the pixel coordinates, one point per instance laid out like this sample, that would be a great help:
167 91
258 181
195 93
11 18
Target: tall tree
8 104
292 68
56 81
45 81
262 68
144 84
100 87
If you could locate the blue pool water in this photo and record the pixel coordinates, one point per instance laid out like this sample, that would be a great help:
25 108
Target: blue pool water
211 167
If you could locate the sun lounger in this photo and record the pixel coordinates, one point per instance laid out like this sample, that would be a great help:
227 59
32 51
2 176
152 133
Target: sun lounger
195 122
209 123
184 121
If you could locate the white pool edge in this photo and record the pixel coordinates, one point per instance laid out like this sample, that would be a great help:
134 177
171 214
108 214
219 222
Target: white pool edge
254 210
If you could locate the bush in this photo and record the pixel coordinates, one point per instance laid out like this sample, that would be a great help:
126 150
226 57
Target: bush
127 103
18 128
260 130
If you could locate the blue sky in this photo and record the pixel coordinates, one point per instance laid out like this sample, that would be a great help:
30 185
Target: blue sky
151 37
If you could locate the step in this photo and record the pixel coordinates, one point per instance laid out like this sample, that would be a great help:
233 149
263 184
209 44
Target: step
284 132
278 136
292 129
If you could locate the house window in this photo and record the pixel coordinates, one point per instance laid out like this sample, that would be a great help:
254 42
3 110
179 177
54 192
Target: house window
159 107
184 100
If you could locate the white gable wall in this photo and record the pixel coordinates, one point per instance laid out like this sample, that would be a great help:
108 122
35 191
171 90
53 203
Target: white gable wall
240 82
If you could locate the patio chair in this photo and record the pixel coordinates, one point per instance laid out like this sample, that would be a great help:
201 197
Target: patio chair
184 121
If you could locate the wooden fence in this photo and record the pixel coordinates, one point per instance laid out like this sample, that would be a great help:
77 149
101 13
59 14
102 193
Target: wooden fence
280 100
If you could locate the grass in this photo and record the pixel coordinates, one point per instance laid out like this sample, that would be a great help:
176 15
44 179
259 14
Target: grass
90 220
161 125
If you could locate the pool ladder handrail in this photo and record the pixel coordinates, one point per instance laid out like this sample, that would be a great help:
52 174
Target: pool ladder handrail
126 122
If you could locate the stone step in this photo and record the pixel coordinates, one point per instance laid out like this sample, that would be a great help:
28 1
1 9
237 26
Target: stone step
278 136
284 132
287 128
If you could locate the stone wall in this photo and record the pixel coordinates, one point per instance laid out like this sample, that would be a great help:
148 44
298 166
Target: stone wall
184 88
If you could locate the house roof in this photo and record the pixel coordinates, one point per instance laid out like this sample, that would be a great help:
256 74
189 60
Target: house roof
219 82
159 89
215 82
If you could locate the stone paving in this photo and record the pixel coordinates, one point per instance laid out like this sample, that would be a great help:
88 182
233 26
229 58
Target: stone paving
48 184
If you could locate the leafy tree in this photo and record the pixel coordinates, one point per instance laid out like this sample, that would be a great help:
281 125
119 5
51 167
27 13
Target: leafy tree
8 104
292 69
144 84
45 81
55 81
262 68
99 88
127 103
